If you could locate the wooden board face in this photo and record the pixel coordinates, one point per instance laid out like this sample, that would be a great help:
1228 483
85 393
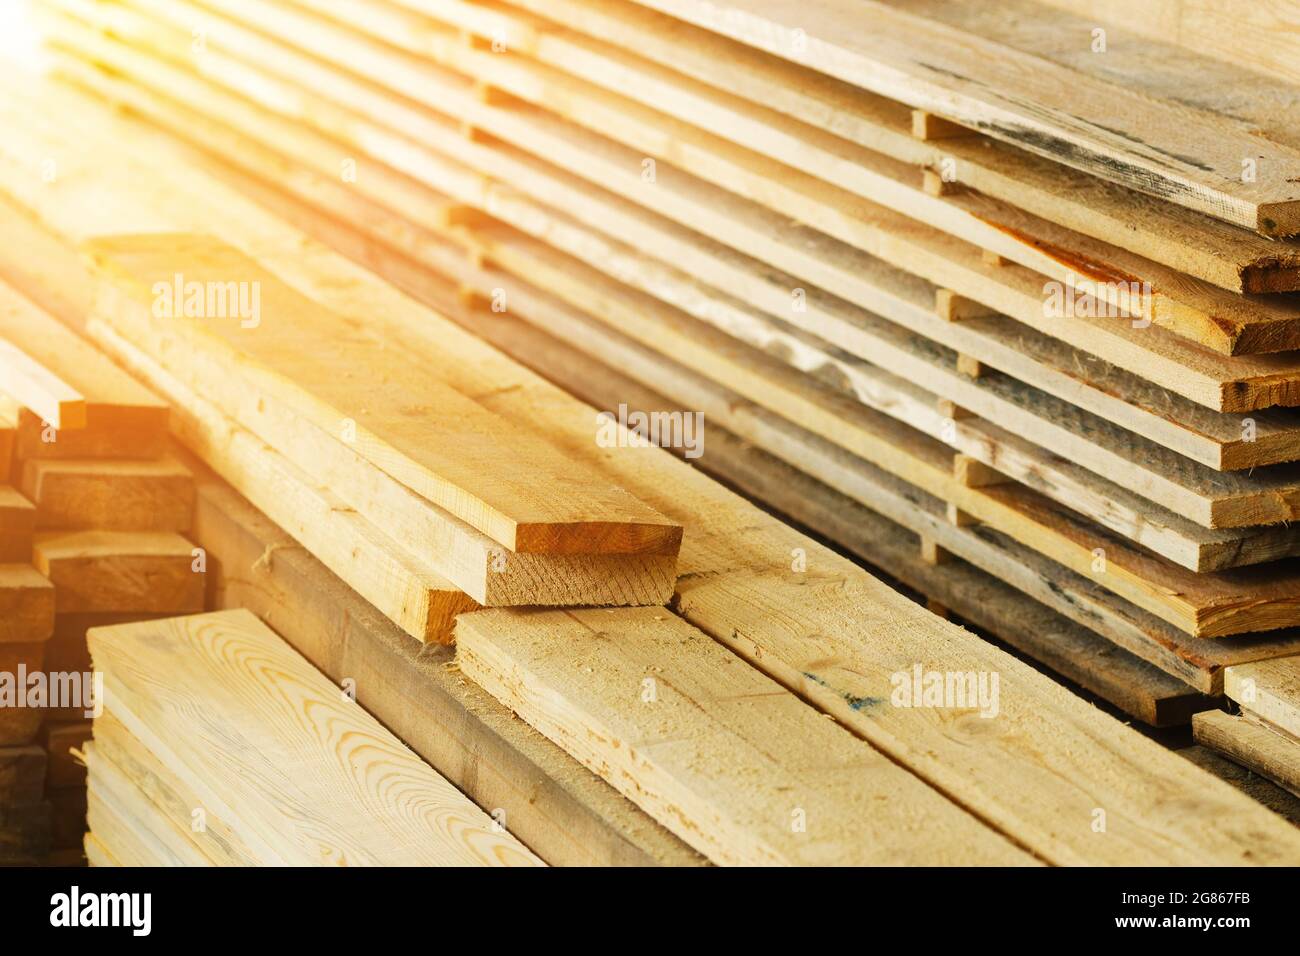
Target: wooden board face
112 495
1170 151
500 478
357 795
1268 689
120 571
733 763
1233 384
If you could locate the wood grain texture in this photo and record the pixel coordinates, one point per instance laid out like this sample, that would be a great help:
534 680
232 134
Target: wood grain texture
1219 382
1166 150
587 344
120 571
110 401
22 775
315 780
465 557
820 181
17 526
1186 241
567 815
1053 814
39 389
1215 440
500 478
26 605
171 800
1268 689
725 757
1252 745
119 495
404 588
127 822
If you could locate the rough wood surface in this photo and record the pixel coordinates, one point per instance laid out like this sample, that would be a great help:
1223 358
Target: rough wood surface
406 589
1251 744
39 389
119 495
739 552
724 756
1268 689
1240 383
554 805
821 181
135 571
1185 240
318 781
442 445
26 605
1167 149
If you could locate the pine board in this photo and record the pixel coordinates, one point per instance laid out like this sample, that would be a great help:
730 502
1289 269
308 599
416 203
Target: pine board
555 806
1252 745
109 495
819 181
725 757
317 779
1225 383
120 571
500 478
1165 149
1268 689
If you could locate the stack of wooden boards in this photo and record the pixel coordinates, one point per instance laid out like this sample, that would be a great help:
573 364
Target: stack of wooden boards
220 745
107 513
1265 737
830 268
704 714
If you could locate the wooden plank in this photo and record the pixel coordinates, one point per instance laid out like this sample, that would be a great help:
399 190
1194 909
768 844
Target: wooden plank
1166 150
97 854
1252 745
17 526
358 797
401 586
1204 605
820 181
1268 689
125 821
468 559
728 759
498 477
1233 384
568 816
1254 38
1189 242
438 542
120 571
19 723
159 784
26 605
60 738
39 389
22 775
120 418
1195 661
1071 650
120 495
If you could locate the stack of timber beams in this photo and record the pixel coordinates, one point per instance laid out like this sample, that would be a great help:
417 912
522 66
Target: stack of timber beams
480 226
768 241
